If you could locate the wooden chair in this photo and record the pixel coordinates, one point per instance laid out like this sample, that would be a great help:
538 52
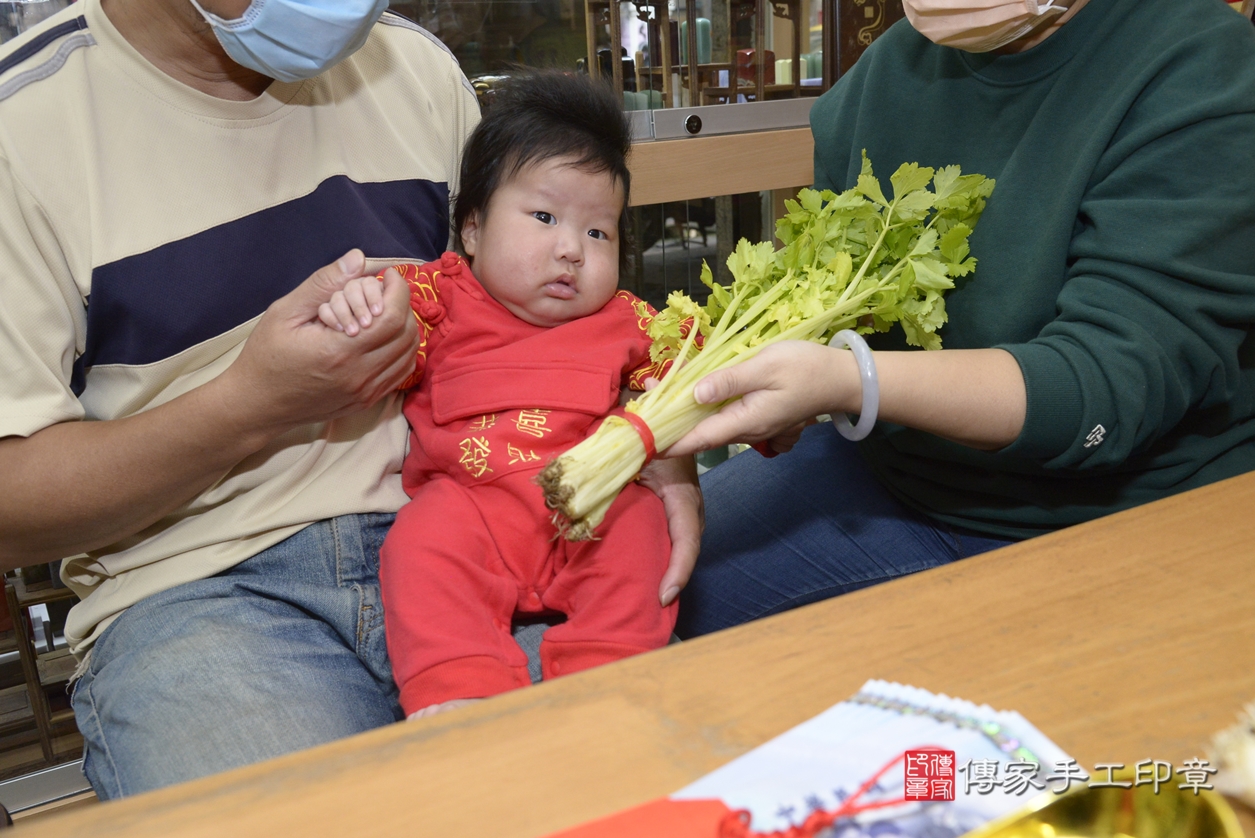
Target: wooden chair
46 672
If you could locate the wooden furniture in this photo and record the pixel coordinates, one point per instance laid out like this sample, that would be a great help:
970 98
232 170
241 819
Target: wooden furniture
678 170
18 732
696 79
856 23
45 671
1127 638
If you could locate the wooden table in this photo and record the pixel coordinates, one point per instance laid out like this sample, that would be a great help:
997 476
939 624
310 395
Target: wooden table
1124 639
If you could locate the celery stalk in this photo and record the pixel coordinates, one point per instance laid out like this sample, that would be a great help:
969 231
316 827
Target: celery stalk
853 260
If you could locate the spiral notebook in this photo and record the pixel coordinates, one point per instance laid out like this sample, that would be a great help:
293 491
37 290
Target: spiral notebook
891 759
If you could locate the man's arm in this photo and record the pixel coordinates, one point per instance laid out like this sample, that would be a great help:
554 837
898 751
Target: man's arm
78 486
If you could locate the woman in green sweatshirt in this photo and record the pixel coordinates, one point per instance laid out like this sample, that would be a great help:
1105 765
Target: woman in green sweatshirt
1096 360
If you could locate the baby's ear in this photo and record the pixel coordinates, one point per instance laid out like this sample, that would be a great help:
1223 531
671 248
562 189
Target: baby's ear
470 234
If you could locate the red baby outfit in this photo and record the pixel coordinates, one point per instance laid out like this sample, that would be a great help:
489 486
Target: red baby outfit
493 399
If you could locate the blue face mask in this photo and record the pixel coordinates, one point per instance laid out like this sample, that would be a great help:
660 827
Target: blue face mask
291 40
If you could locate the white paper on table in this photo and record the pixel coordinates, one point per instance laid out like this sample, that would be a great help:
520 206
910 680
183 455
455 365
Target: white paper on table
824 760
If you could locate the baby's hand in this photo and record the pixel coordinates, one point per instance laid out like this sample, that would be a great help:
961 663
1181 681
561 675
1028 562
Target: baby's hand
354 307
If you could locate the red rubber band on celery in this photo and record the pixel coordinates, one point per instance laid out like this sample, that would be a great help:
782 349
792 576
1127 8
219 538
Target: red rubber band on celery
646 435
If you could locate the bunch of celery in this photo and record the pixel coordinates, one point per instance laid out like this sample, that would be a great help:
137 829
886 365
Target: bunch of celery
855 260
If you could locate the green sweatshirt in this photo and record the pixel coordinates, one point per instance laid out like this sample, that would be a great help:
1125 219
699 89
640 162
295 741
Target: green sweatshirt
1116 257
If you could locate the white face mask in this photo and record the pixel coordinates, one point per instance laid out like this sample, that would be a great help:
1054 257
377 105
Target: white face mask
980 25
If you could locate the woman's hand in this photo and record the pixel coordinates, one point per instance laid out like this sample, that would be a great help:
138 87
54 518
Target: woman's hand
975 397
675 481
783 388
782 443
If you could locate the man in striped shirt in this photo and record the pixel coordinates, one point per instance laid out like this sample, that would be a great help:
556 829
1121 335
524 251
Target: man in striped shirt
179 189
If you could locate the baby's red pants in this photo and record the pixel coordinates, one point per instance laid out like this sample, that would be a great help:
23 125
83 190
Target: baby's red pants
461 561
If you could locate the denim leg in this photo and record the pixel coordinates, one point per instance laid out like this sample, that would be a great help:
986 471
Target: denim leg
801 527
282 652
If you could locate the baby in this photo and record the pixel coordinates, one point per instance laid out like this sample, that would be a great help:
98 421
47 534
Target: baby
526 344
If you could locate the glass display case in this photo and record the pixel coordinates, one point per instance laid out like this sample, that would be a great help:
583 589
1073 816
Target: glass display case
664 54
719 92
689 71
16 16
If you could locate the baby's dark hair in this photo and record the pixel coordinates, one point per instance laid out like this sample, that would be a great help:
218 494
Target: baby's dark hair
538 116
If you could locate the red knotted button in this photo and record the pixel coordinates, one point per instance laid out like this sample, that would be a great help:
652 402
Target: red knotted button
450 260
432 313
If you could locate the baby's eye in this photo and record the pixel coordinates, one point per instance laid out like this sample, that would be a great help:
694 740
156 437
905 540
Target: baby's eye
598 234
543 217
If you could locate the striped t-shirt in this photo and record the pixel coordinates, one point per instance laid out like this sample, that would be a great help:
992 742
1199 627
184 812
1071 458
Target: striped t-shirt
145 226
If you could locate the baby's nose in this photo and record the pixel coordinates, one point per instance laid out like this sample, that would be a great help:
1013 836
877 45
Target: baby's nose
570 246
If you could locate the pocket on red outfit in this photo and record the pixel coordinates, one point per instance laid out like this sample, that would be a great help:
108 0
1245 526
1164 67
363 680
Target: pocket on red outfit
494 386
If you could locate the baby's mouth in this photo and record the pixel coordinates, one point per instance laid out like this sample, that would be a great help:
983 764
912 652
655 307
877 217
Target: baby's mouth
562 288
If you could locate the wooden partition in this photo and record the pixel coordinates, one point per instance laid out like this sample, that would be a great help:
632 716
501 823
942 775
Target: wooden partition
702 167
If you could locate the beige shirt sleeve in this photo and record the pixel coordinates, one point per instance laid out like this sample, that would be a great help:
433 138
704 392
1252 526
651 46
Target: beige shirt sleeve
42 317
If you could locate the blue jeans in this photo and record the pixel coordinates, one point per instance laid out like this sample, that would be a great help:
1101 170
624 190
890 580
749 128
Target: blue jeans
282 652
805 526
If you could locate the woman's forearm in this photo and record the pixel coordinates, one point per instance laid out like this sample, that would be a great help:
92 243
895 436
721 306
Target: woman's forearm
975 397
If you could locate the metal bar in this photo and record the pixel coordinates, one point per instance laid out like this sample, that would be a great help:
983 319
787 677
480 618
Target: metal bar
831 42
616 47
590 33
664 47
690 17
642 125
799 19
43 787
721 47
734 118
760 49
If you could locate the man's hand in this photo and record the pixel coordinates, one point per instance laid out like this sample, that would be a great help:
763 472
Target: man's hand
293 370
78 486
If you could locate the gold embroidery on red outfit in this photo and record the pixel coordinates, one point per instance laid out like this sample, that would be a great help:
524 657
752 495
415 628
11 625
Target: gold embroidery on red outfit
645 315
532 422
475 451
644 311
483 423
518 455
422 289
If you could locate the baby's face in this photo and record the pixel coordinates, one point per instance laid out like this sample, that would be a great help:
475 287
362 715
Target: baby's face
548 247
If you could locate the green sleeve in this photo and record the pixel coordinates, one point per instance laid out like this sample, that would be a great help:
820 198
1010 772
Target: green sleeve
1160 289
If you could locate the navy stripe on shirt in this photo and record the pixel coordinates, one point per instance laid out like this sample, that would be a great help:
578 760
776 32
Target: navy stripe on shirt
42 41
153 305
